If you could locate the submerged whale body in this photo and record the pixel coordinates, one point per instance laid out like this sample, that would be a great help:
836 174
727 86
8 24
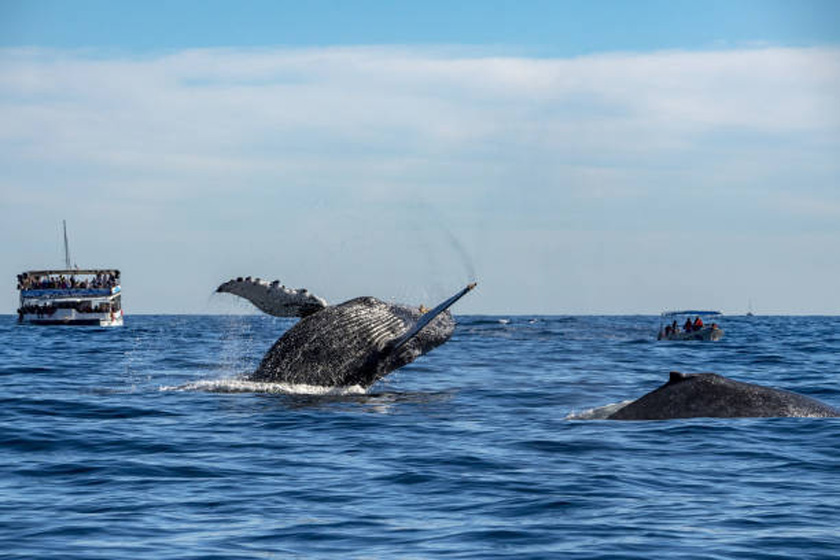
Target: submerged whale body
354 343
714 396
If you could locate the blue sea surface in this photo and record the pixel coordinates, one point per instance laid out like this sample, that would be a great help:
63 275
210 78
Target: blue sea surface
143 442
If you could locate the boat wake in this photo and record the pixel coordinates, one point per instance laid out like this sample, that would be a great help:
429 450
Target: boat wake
309 396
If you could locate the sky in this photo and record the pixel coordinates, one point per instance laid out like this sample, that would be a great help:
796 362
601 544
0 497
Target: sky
595 157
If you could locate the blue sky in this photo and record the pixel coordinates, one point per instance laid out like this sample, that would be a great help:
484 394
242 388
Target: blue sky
573 157
551 27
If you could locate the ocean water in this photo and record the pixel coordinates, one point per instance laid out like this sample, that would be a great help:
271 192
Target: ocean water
143 442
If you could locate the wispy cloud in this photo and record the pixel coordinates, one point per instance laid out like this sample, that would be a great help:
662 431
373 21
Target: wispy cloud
496 139
211 101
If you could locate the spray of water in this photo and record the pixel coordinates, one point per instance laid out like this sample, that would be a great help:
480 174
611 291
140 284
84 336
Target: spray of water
245 386
466 259
599 413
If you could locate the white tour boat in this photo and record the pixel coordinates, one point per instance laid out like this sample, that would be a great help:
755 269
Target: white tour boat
677 325
70 296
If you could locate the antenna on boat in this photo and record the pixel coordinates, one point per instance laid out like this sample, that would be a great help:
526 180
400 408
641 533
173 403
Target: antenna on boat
66 247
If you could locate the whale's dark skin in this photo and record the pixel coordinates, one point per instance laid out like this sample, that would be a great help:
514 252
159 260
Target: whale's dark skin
354 343
350 344
714 396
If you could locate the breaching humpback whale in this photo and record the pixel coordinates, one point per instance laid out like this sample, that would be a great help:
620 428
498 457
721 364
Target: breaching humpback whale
354 343
714 396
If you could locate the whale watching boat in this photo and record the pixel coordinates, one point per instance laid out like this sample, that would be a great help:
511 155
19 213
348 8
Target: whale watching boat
678 325
70 296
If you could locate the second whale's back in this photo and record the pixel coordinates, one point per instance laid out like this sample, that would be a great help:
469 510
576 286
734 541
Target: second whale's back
711 395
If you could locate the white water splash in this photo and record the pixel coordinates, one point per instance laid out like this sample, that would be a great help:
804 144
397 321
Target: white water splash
245 386
599 413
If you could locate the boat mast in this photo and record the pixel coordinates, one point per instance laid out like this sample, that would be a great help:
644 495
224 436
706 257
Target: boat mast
66 247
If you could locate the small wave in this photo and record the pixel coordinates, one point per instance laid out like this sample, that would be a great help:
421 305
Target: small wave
599 413
245 386
483 321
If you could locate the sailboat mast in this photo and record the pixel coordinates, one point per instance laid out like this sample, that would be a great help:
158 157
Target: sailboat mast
66 247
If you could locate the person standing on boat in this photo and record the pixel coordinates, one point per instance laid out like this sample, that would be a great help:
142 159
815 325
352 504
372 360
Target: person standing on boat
687 326
698 323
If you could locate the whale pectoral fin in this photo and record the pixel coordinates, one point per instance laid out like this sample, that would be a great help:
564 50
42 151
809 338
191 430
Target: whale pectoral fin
427 318
274 298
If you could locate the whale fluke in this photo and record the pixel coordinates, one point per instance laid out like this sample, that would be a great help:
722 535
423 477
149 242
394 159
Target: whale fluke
274 298
714 396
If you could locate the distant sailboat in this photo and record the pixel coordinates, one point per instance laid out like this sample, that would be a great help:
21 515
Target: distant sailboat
750 309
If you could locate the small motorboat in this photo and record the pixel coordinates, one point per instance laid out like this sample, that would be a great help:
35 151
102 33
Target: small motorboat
678 325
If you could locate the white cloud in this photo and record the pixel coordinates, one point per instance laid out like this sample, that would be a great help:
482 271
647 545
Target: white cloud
332 138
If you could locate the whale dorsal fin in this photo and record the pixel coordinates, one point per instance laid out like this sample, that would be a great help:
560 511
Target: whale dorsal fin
273 297
428 317
677 377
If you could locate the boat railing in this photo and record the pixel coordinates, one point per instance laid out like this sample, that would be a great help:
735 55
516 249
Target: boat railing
53 293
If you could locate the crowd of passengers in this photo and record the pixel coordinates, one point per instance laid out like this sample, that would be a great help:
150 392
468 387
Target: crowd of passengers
62 282
689 326
49 309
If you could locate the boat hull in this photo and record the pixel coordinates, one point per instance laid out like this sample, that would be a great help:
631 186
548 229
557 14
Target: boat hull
706 333
74 319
